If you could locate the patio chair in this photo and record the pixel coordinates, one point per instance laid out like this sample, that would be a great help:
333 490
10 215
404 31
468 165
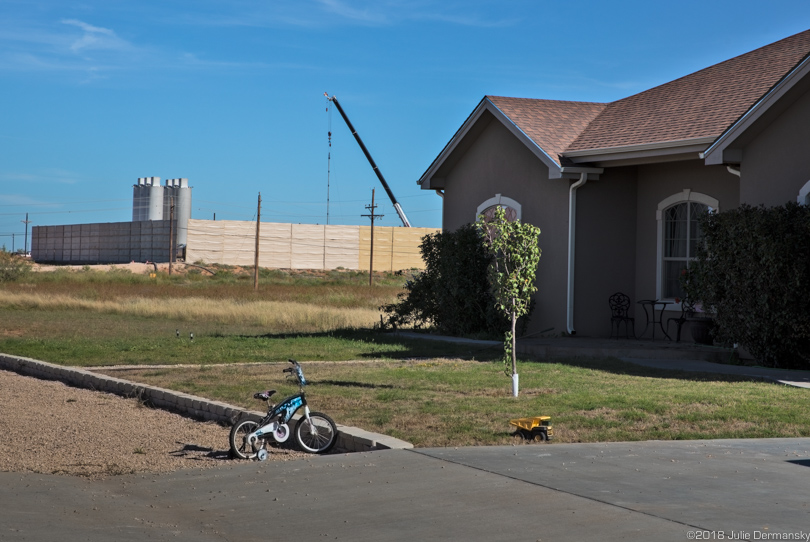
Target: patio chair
687 312
619 307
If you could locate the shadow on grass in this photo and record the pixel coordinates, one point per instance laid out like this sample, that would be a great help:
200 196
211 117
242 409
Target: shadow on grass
626 368
346 384
402 347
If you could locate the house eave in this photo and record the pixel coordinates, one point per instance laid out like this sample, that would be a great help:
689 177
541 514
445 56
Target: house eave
723 150
683 149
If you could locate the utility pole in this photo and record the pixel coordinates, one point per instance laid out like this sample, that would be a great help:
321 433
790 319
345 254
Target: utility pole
171 234
256 260
26 222
372 216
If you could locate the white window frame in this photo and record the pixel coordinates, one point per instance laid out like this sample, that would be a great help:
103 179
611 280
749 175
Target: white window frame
686 196
501 201
804 194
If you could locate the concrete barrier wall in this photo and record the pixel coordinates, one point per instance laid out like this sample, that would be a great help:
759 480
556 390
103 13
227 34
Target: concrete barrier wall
350 439
112 242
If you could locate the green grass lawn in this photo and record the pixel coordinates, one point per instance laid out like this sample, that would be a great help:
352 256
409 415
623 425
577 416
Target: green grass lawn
454 402
426 392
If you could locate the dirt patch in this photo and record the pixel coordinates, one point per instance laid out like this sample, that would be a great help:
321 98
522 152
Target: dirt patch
51 428
133 267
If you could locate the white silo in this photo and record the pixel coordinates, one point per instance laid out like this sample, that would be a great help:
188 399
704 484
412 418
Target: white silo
155 210
182 210
140 200
169 197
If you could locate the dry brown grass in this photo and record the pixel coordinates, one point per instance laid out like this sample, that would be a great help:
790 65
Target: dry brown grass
277 315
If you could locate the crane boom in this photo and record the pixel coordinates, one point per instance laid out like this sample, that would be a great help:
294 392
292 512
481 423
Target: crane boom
398 208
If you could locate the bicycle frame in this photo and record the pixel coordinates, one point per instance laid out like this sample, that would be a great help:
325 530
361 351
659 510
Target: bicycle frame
280 414
283 411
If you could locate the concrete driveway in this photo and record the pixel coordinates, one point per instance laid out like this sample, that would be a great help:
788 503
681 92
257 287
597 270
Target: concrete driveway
678 490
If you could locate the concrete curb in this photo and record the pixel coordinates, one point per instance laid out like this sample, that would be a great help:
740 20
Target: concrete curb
350 439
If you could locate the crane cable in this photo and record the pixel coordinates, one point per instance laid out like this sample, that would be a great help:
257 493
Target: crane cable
328 157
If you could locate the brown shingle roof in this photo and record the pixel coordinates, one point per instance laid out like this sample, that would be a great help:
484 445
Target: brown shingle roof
551 124
702 104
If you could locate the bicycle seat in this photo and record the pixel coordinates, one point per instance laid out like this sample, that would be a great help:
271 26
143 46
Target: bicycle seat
264 395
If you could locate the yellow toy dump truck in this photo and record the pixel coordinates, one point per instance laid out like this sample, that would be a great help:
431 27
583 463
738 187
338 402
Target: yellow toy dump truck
538 428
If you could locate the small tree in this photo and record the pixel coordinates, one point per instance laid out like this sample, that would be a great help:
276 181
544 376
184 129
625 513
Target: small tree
515 251
12 267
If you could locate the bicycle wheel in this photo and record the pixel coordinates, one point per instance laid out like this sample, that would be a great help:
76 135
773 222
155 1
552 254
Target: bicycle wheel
318 435
240 448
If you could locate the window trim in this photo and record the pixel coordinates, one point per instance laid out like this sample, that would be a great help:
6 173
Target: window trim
686 196
501 201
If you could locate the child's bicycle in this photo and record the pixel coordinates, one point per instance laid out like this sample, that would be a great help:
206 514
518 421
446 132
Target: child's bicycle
315 432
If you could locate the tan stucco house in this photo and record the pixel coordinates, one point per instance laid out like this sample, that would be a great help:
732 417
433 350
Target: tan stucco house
614 187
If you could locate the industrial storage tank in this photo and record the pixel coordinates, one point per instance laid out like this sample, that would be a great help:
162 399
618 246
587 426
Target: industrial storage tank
147 199
169 198
155 210
178 192
182 210
140 200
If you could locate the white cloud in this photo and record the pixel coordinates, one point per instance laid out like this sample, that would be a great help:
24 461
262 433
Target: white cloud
59 176
95 37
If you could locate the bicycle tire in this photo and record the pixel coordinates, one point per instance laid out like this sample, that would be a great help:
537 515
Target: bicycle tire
240 449
317 436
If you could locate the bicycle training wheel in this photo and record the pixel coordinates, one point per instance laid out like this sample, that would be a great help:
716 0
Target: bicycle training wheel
318 435
240 448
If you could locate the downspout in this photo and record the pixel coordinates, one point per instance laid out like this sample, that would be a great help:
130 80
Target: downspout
572 219
733 171
441 195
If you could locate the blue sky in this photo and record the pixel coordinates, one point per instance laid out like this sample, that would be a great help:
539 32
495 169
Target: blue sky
94 94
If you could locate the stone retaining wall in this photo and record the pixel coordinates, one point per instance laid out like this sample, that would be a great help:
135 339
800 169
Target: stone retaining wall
350 439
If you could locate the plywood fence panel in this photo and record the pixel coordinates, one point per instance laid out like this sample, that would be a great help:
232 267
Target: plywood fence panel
308 244
406 254
275 241
342 247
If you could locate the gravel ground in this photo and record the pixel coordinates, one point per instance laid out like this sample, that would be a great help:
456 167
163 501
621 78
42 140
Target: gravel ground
49 427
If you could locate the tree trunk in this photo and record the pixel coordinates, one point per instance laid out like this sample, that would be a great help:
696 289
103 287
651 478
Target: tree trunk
514 344
514 357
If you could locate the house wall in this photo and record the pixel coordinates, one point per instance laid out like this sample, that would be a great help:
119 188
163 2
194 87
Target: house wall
776 163
605 248
657 182
498 163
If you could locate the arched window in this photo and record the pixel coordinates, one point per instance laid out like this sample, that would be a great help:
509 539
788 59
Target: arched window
804 194
510 206
678 236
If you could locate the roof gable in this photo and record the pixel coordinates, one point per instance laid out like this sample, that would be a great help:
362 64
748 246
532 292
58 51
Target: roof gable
551 124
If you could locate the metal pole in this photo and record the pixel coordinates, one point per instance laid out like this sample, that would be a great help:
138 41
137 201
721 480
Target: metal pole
256 259
171 234
25 248
371 256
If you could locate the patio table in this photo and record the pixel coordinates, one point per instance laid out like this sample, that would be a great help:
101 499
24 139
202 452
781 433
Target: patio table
650 314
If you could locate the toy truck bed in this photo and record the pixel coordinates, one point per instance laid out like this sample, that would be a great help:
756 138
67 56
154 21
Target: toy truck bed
535 428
